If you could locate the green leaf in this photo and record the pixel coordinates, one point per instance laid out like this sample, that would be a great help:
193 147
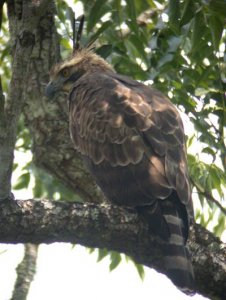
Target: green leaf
221 226
125 65
165 59
102 253
115 260
174 15
190 141
139 47
38 189
104 51
70 15
116 5
140 270
209 150
198 29
61 8
143 5
98 10
216 27
23 182
91 250
65 43
15 165
215 174
187 12
103 27
218 7
131 11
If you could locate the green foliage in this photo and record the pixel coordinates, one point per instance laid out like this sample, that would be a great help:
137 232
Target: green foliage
210 181
178 46
115 259
46 186
139 267
23 181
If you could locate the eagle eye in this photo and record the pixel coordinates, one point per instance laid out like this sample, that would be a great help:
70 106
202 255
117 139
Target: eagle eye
65 72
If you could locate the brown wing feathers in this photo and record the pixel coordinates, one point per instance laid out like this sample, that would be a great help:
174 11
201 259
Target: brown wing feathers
133 143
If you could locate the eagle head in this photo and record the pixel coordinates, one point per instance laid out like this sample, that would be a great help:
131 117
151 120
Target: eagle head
64 74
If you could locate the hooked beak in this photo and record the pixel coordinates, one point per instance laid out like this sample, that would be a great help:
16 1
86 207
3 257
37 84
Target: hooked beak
51 90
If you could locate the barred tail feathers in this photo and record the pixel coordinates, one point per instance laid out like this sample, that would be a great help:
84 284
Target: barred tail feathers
177 259
168 222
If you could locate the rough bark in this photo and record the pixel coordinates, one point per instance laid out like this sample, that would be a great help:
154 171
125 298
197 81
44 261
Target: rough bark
10 109
25 272
114 228
48 122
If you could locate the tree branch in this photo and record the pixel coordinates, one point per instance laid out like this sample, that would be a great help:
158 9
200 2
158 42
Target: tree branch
90 225
114 228
25 272
208 196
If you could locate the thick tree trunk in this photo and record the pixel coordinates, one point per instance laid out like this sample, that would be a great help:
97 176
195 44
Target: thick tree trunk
48 121
23 41
114 228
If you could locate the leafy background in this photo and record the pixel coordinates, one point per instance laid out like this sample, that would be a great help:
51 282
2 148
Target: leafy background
179 48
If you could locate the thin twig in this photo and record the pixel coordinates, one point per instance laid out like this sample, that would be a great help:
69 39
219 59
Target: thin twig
208 196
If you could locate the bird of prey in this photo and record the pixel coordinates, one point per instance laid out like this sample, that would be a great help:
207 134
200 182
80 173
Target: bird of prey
132 140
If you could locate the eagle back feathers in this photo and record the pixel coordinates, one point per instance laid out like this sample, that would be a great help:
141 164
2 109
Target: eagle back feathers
132 140
117 120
